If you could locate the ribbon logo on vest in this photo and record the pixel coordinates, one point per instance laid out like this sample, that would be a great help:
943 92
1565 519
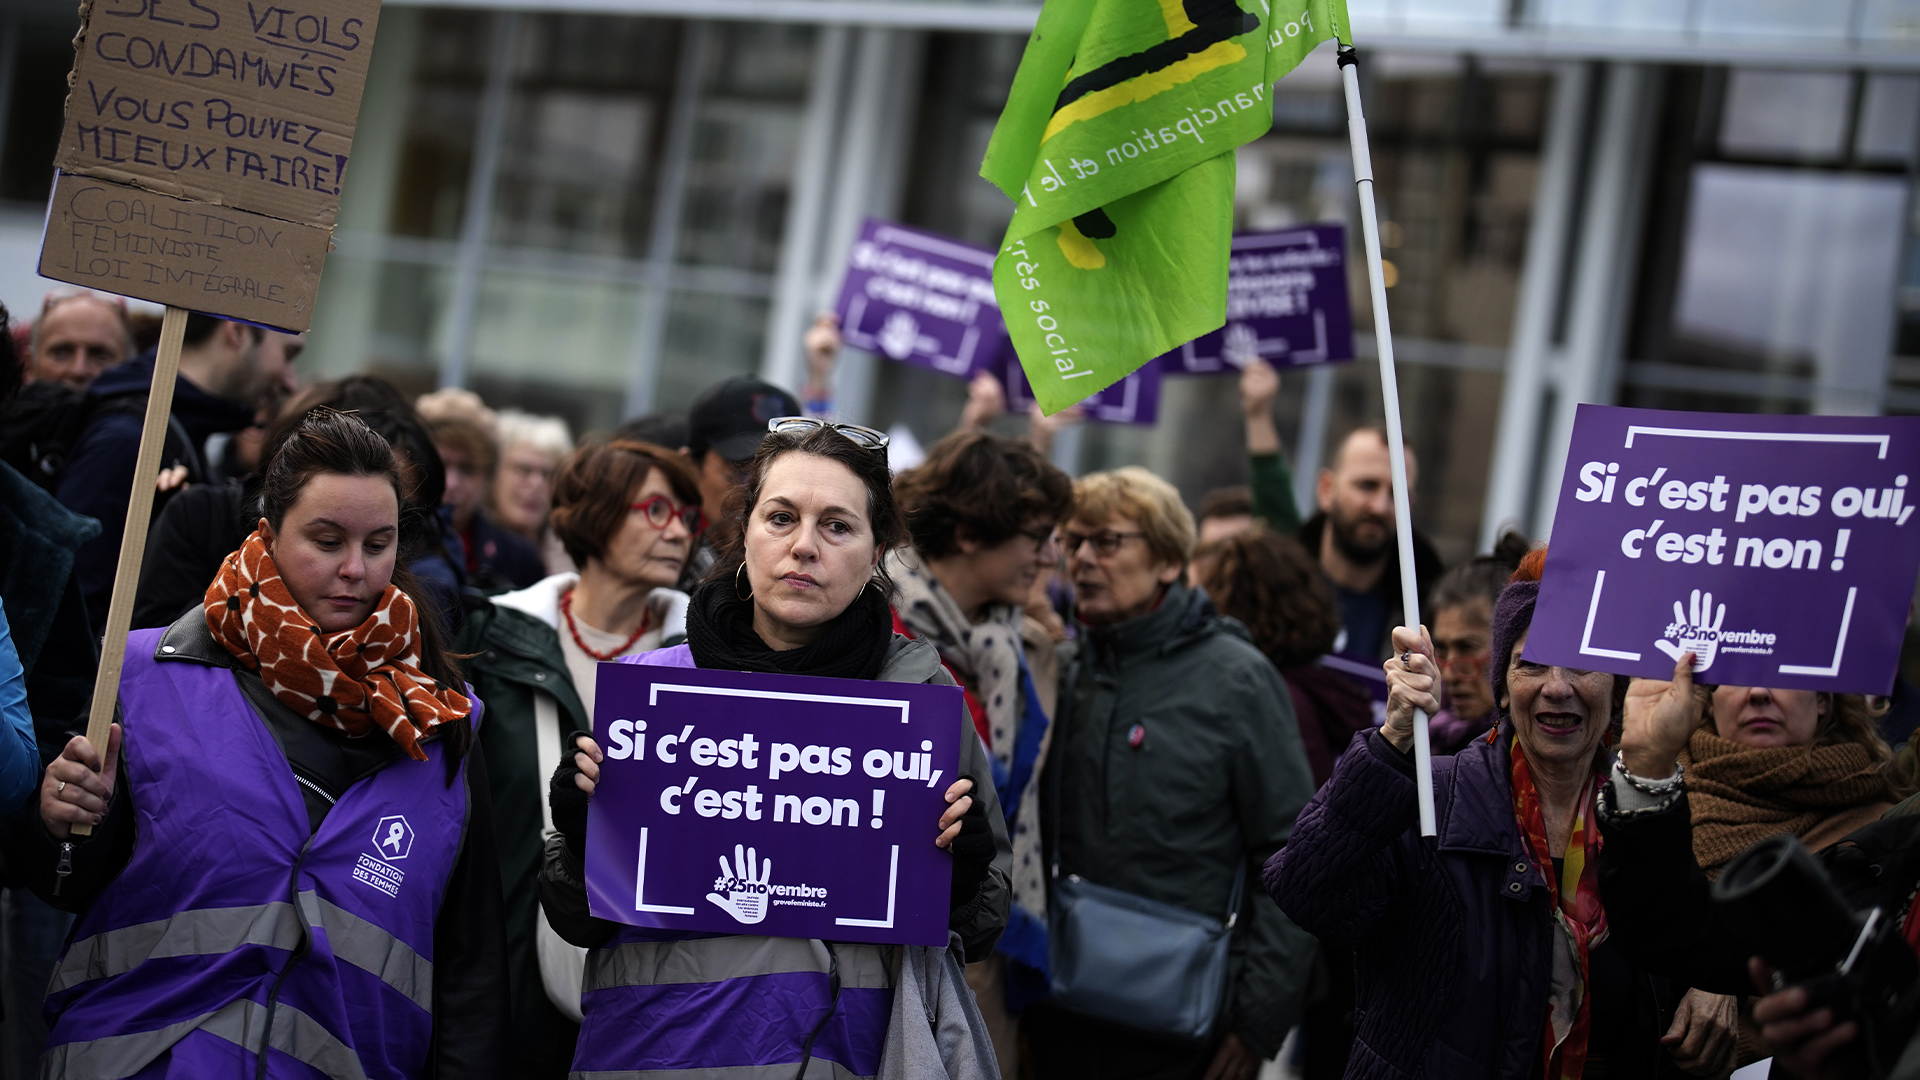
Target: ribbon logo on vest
393 841
393 837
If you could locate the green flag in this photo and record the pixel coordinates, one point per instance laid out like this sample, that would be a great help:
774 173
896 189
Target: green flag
1116 146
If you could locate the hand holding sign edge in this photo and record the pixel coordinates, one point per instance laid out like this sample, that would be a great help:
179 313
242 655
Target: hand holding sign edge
1657 720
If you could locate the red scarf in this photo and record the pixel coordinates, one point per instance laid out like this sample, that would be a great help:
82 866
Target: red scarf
1580 922
353 680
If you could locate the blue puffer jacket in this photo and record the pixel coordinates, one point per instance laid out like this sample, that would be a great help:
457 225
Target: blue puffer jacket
1450 938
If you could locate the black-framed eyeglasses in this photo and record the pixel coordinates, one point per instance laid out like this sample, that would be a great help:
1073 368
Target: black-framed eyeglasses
1105 542
1041 535
660 513
865 438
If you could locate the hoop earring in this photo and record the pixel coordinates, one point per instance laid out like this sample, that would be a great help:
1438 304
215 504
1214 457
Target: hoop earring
736 585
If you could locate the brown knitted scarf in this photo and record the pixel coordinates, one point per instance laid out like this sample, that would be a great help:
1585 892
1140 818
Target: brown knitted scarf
1741 795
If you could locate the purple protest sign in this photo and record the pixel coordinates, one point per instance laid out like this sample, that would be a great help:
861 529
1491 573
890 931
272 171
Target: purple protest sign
815 800
1286 303
1778 549
921 299
1133 400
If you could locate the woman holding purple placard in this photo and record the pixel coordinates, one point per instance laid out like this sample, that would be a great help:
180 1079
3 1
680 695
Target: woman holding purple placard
803 592
1485 950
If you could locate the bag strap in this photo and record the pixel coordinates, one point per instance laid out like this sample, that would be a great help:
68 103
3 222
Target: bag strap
1239 893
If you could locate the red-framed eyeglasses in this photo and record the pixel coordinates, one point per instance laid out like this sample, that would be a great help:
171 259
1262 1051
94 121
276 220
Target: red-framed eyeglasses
660 511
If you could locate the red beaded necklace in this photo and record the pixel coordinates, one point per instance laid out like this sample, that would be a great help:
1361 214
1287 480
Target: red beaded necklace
566 610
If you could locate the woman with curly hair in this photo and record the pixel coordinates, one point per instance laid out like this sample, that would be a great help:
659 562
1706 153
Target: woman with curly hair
982 514
1274 587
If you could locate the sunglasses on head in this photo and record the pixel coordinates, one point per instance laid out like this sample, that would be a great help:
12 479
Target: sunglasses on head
865 438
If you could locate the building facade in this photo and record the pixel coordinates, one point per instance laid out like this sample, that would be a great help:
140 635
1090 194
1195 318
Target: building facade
595 208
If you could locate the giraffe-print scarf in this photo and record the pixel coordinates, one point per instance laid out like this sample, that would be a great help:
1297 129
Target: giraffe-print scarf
353 680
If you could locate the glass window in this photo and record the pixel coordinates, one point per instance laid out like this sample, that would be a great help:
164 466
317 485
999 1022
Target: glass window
1786 114
745 144
582 146
1813 288
42 57
1770 285
1889 118
436 154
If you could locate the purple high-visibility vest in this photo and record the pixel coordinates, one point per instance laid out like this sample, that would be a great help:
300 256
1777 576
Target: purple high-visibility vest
659 1002
233 928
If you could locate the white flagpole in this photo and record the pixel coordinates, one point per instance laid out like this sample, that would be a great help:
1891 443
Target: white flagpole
1390 395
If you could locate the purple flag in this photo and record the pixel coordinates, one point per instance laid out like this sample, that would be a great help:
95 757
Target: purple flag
1133 400
782 805
921 299
1286 303
1780 550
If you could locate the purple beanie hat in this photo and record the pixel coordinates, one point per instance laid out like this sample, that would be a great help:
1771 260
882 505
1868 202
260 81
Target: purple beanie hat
1511 617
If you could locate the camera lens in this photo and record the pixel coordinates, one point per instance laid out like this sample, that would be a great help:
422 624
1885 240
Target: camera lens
1776 884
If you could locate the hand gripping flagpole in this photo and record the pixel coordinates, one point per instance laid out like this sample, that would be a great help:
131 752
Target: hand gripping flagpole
1390 396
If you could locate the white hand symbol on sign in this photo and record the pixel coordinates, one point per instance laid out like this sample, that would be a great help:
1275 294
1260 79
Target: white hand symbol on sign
745 885
1696 634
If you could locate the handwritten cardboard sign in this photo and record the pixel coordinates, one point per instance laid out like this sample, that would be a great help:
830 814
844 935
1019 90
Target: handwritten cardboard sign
204 148
921 299
1286 303
1780 550
782 805
1133 400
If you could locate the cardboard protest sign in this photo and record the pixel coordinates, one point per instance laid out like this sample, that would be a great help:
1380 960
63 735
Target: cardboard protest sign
1780 550
204 147
1286 303
1135 399
781 805
921 299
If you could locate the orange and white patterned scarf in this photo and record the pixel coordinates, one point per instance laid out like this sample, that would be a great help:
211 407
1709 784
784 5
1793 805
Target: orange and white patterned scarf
353 680
1580 922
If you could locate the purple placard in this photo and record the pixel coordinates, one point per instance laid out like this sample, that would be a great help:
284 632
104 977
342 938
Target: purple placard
1779 549
1286 302
790 835
1133 400
921 299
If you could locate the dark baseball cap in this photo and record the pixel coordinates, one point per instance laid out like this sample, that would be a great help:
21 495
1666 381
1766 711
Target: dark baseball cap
731 417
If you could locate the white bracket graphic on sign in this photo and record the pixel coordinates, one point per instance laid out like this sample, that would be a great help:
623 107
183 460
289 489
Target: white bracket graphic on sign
654 692
1265 348
893 883
1760 436
958 364
1586 636
640 887
1839 647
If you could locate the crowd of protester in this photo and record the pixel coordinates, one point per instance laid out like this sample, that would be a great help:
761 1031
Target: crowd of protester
354 601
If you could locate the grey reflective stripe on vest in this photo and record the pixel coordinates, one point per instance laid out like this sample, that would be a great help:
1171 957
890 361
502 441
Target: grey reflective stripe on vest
817 1069
706 960
371 949
295 1034
201 932
218 931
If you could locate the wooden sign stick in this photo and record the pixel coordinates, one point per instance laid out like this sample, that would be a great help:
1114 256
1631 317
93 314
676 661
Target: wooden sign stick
133 542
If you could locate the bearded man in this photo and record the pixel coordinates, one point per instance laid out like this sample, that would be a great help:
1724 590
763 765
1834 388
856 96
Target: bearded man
1353 538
